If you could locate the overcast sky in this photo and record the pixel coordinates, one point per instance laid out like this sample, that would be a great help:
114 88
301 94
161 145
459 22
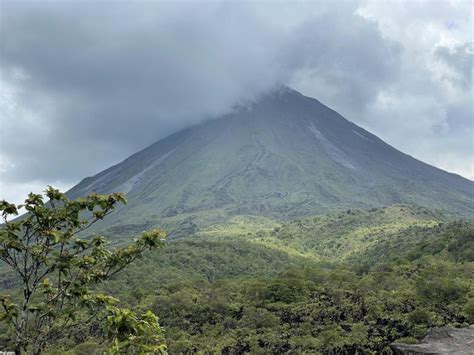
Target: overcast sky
85 84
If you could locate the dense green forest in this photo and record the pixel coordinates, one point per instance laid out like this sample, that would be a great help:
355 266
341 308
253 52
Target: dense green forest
351 281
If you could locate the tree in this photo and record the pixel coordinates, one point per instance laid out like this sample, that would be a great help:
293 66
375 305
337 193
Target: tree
58 267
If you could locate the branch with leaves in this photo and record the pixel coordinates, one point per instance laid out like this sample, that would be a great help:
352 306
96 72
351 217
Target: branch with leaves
58 267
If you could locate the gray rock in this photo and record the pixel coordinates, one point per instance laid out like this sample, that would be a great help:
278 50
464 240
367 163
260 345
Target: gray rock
441 341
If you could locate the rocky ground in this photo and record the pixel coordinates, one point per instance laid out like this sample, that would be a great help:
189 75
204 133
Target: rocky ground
441 341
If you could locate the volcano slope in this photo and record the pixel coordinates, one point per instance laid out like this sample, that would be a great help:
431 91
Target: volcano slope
283 156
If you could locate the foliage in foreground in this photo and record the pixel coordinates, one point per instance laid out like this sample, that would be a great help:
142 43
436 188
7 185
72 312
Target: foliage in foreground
58 268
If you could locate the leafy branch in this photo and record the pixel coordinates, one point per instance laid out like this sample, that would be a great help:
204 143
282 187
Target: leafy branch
58 268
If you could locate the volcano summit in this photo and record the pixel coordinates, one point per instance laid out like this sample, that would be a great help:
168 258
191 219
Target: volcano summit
285 155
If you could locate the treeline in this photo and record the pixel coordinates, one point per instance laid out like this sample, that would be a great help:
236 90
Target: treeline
314 308
350 282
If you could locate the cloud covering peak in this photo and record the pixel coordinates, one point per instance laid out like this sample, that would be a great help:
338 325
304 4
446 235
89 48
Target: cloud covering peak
85 84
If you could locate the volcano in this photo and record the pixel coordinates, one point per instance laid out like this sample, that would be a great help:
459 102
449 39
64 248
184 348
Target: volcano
284 156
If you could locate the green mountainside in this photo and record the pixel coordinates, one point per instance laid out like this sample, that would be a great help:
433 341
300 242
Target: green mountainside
349 281
283 156
343 282
365 237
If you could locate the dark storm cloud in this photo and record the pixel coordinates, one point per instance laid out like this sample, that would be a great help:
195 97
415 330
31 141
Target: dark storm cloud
121 77
87 83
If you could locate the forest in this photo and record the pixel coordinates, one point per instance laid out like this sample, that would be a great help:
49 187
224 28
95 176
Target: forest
347 282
